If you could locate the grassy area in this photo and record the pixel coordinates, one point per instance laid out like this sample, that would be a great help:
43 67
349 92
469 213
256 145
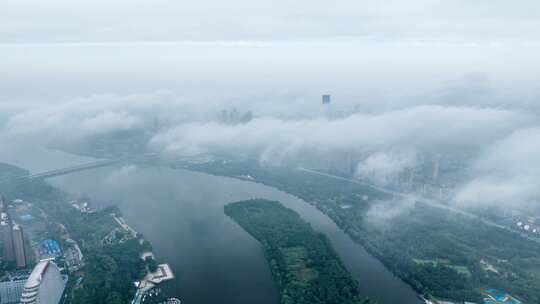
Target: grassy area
297 261
446 263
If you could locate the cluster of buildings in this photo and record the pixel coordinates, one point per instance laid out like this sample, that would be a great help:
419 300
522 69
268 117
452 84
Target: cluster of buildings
146 287
11 287
73 257
83 207
22 284
529 225
234 117
430 174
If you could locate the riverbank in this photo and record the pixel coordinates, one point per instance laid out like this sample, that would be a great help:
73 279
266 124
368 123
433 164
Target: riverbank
101 236
155 273
181 213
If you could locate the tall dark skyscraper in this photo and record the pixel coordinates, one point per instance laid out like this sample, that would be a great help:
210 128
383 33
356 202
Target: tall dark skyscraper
7 239
18 243
12 238
326 99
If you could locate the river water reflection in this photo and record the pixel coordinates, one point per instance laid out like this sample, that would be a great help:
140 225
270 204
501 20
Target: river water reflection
181 213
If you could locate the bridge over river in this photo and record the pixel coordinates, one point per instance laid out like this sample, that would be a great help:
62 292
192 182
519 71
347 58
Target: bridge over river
72 169
84 166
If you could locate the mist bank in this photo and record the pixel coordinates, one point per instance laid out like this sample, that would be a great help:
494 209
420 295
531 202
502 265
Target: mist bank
470 108
490 149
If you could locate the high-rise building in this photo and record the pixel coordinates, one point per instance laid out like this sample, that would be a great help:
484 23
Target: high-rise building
326 99
18 244
45 285
7 238
436 167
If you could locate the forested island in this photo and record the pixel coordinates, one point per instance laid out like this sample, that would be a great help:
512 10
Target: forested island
304 265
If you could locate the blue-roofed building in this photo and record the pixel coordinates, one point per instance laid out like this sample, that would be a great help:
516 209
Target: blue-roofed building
49 249
493 296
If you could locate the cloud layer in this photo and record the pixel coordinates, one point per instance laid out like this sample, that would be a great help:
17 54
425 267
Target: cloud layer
507 173
428 128
384 168
499 142
165 20
502 146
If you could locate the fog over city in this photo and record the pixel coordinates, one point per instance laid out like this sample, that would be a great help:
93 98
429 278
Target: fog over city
417 83
354 151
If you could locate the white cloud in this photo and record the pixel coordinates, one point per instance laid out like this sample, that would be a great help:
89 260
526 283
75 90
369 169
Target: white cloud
110 121
427 128
382 212
118 176
289 129
507 174
384 168
80 117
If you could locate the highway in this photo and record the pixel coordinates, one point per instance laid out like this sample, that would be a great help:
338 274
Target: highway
427 201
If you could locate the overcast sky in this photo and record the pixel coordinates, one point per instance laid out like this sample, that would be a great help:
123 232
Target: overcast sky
52 21
422 73
378 49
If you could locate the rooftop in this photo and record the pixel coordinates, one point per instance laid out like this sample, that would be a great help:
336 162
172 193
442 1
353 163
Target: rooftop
36 275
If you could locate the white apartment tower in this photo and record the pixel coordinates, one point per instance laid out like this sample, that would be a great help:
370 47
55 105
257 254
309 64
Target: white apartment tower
44 286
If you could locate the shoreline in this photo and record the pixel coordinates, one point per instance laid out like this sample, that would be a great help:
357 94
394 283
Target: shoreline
151 280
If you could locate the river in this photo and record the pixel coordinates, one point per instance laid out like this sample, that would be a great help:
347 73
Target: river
181 213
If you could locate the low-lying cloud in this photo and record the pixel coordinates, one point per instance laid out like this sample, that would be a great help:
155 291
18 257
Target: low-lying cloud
381 213
500 142
427 128
501 145
384 168
507 173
